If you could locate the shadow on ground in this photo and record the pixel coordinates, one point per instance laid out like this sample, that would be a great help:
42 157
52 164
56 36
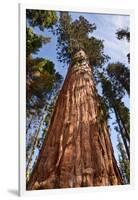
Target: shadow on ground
13 192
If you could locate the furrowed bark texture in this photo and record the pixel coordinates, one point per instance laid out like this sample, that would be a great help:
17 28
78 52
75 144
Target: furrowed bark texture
77 150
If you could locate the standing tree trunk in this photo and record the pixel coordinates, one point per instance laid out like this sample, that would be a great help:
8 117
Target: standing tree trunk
36 139
122 132
77 151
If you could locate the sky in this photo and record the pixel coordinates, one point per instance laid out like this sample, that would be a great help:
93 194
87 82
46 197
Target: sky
107 25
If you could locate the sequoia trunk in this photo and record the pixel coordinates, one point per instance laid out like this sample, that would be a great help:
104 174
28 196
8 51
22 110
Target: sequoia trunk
77 150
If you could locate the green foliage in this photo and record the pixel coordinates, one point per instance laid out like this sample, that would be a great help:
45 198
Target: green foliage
120 76
125 117
34 42
114 96
43 65
41 74
123 33
76 35
41 77
105 107
42 84
123 112
109 90
41 18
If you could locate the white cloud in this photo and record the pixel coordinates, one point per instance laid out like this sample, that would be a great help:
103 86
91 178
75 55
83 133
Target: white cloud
107 26
120 21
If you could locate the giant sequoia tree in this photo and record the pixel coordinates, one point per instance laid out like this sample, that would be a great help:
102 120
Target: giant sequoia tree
77 149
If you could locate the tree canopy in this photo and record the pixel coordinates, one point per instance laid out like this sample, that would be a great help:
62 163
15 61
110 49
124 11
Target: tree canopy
41 73
41 18
124 33
119 75
76 35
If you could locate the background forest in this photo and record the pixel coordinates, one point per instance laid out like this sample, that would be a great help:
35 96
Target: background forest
51 38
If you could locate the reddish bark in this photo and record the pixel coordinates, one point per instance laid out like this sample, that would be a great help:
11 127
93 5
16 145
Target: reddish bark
77 150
